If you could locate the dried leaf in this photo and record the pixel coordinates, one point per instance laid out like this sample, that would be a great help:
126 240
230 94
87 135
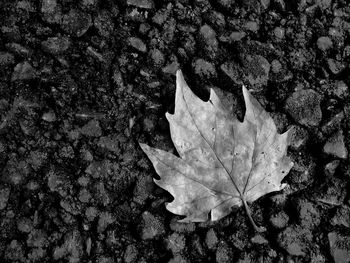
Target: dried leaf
222 163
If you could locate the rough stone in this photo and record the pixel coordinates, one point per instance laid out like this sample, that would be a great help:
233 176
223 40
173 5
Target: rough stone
176 243
88 5
216 19
19 50
4 197
25 6
104 259
143 189
237 36
145 4
324 4
256 70
324 43
227 4
70 206
161 16
101 195
84 196
341 90
304 107
299 137
303 172
276 66
76 22
57 182
333 193
37 254
6 59
15 172
339 245
56 45
110 144
224 253
331 167
49 116
152 226
279 220
105 219
265 3
295 240
15 252
71 249
137 44
232 70
171 68
37 238
208 40
98 169
131 253
179 227
144 28
251 26
335 66
103 22
342 217
279 32
25 225
335 146
91 213
51 11
83 180
197 247
92 129
259 240
23 71
37 159
333 124
308 215
178 259
157 58
281 121
204 69
211 239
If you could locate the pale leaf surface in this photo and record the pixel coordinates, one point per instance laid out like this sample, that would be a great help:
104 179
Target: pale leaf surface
222 162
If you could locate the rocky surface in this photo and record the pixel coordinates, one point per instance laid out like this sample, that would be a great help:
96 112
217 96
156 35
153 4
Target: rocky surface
82 82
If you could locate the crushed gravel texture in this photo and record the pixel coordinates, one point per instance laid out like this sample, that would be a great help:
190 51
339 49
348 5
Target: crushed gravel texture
82 82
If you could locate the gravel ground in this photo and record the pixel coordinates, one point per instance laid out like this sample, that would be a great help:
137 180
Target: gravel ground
82 82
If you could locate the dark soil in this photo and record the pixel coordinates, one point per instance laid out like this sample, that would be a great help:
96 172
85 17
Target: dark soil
82 82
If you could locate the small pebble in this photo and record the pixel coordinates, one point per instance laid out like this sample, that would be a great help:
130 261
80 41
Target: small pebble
137 44
279 32
49 116
324 43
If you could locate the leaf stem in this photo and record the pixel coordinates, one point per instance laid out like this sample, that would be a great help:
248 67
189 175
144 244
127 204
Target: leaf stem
247 210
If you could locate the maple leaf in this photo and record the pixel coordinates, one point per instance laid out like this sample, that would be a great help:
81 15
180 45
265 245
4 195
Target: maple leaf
223 163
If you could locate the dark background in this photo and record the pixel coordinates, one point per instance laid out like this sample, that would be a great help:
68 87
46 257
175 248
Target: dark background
82 82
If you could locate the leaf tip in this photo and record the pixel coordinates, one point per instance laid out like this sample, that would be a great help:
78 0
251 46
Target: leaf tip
178 73
179 77
168 116
245 91
156 181
247 97
290 135
291 164
144 146
283 186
